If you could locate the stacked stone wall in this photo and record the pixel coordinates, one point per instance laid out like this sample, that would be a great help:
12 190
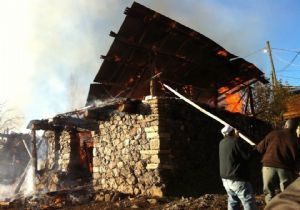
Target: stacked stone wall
58 161
171 151
126 154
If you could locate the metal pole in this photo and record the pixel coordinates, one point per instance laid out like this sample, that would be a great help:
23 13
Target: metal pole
207 113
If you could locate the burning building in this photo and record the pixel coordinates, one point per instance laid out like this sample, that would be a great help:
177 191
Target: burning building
134 136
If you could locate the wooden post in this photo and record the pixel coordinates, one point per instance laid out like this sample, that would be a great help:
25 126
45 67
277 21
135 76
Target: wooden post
34 149
153 79
274 79
251 101
152 82
152 87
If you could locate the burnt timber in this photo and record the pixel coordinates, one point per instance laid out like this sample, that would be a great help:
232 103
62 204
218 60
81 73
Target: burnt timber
149 43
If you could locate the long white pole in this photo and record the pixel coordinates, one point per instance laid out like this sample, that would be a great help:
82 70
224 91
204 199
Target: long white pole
207 113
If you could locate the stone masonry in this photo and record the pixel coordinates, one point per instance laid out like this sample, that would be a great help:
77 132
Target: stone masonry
58 161
171 151
126 154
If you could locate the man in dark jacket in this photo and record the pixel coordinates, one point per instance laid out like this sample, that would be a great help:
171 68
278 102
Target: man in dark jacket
234 155
279 150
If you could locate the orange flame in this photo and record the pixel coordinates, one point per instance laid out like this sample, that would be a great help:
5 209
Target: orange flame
232 102
57 200
85 146
222 53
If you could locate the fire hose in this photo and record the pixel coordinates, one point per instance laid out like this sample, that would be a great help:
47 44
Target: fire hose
207 113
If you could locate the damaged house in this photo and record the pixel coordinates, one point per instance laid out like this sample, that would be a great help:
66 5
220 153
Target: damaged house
136 137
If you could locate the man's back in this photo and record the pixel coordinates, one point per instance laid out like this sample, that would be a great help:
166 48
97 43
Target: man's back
279 149
233 155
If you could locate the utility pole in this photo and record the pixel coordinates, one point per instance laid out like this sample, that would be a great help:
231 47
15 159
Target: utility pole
273 74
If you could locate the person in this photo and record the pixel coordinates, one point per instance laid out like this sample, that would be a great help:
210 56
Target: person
279 150
289 199
234 155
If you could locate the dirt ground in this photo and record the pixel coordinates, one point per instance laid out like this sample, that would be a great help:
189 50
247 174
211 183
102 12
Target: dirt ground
207 202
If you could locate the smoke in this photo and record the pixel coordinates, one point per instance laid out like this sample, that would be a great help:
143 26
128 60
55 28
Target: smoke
48 46
8 188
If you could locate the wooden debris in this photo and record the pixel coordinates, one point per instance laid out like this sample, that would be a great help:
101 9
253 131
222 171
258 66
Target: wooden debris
4 203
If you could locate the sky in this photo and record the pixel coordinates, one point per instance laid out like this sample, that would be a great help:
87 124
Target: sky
49 47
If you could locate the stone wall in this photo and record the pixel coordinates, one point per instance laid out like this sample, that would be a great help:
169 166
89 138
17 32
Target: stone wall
60 170
171 151
126 154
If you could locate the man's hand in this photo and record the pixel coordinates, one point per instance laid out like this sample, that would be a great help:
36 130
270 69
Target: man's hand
237 132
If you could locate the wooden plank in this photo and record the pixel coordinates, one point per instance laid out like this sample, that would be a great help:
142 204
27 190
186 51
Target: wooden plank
4 203
87 124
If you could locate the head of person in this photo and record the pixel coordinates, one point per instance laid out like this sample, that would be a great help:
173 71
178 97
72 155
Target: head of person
228 131
292 124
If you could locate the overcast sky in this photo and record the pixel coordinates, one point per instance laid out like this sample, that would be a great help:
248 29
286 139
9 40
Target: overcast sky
48 46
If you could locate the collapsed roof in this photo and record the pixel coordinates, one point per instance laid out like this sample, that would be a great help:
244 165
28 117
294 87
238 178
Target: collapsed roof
150 46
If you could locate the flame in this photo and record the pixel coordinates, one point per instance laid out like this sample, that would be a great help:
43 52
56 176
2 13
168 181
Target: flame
222 53
86 146
232 102
57 200
188 89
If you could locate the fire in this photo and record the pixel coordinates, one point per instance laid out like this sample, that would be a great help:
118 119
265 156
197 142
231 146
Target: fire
222 53
57 200
85 150
188 89
232 102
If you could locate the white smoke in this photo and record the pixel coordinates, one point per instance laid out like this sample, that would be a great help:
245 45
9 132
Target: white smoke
23 186
44 43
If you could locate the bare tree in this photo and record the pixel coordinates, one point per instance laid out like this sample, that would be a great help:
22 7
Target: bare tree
9 119
270 102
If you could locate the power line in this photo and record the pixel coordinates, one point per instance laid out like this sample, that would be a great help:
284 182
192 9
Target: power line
291 62
287 50
254 52
284 60
288 76
248 55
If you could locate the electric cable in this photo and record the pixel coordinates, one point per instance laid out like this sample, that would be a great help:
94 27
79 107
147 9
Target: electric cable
248 55
287 50
284 60
291 62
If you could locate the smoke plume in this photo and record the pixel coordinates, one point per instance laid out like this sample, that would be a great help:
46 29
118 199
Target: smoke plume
50 49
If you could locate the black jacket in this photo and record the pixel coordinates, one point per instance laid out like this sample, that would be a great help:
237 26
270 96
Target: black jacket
234 155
